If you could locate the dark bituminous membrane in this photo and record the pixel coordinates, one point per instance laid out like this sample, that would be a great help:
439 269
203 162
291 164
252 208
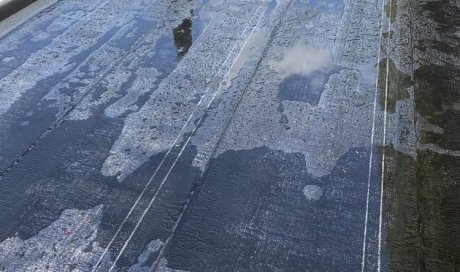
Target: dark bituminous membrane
260 210
275 175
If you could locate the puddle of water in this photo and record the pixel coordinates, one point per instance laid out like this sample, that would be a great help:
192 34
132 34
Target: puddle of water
186 33
305 88
305 70
302 60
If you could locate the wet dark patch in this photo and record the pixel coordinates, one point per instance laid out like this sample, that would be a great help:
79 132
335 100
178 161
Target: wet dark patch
398 83
19 138
164 58
441 13
28 45
305 88
250 214
280 107
437 99
451 48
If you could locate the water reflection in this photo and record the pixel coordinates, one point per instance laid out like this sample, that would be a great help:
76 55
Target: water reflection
183 36
302 60
304 71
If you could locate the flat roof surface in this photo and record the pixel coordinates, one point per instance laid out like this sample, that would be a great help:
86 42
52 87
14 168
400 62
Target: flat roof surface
287 135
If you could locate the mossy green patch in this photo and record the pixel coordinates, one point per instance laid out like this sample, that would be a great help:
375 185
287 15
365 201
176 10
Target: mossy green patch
438 178
388 35
401 216
391 10
398 82
421 199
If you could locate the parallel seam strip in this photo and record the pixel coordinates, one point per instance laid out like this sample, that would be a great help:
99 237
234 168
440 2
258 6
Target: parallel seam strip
363 260
382 182
162 162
